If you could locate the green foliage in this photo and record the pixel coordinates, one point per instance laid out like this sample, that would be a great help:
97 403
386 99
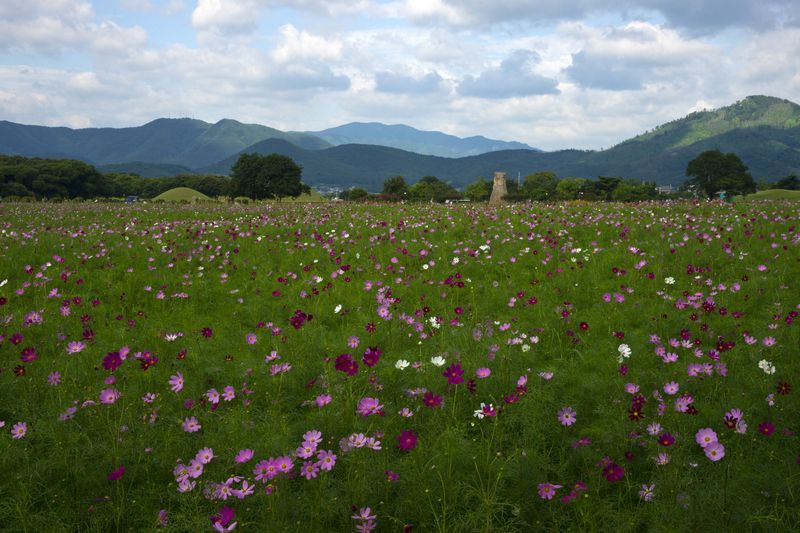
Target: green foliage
357 194
395 186
570 188
50 178
789 183
479 190
431 189
540 186
264 177
712 171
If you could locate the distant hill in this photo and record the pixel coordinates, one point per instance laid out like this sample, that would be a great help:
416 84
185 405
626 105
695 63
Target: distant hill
186 142
764 131
414 140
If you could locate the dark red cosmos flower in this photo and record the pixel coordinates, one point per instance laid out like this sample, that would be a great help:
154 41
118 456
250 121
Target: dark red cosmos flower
635 412
371 356
766 428
207 332
407 440
783 388
112 361
28 354
19 371
454 374
147 360
344 363
613 472
666 439
584 326
432 400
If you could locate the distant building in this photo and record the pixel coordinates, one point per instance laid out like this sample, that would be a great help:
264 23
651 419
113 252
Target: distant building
131 199
665 189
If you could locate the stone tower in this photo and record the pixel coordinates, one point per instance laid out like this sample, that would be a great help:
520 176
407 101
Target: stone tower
499 189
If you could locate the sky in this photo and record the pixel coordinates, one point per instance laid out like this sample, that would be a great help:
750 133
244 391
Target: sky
555 74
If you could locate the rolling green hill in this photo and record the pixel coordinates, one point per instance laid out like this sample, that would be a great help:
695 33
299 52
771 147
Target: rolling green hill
414 140
764 132
185 142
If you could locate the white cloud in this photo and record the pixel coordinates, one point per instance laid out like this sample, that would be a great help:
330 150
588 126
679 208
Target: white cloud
297 44
221 18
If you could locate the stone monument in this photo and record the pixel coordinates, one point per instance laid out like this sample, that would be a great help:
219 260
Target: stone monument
499 189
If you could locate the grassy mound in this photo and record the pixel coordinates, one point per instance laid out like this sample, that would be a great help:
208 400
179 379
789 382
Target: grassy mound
775 194
181 194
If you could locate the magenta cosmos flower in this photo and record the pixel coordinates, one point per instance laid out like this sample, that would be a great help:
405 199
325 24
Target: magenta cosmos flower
454 374
116 474
547 490
407 440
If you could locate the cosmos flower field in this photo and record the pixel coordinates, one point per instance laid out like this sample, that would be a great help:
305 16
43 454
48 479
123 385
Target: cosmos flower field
399 368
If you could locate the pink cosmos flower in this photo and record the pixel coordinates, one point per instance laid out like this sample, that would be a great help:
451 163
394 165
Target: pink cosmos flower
190 425
705 437
369 406
228 393
285 464
326 459
205 455
19 430
547 490
567 416
312 437
176 382
243 456
75 347
322 400
671 388
109 396
715 451
482 373
251 338
309 469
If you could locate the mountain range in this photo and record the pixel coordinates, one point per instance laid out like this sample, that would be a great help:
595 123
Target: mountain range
764 131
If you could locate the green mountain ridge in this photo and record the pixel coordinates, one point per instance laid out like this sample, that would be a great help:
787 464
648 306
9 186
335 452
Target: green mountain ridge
764 131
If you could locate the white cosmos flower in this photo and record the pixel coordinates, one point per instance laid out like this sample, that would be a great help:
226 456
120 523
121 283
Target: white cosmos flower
401 364
437 360
669 280
337 309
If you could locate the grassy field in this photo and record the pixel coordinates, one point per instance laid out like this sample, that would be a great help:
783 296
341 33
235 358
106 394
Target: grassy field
774 194
340 367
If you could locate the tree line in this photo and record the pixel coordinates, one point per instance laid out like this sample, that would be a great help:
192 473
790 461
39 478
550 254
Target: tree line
276 176
254 176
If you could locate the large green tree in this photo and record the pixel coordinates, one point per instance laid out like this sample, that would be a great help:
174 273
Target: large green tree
432 189
540 186
272 176
479 190
712 171
396 186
